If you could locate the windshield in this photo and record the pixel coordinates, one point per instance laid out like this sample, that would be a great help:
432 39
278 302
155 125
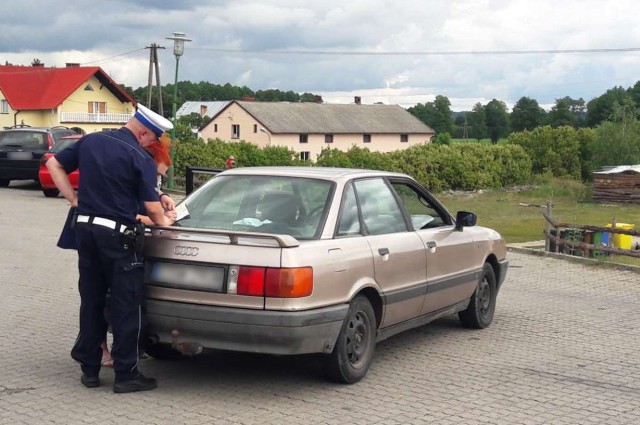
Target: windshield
263 204
24 139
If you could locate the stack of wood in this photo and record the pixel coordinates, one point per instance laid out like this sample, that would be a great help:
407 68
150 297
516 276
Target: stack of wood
619 184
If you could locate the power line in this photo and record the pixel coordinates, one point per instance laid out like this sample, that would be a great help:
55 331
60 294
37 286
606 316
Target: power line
420 53
114 58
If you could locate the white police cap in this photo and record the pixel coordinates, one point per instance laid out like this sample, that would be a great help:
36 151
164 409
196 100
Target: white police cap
154 122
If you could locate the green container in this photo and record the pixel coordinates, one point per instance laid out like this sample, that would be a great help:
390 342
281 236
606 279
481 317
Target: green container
599 239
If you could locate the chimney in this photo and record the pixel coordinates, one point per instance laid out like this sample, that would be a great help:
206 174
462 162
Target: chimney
357 100
203 110
72 65
248 99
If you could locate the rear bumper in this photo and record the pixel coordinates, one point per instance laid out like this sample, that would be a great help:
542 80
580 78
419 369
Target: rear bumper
258 331
14 172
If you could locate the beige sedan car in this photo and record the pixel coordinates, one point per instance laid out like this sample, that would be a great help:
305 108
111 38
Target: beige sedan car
293 260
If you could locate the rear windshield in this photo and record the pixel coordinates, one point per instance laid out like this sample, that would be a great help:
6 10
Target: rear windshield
262 204
63 144
58 133
24 140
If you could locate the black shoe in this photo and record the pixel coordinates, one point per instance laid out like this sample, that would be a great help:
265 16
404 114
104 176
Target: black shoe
139 383
90 381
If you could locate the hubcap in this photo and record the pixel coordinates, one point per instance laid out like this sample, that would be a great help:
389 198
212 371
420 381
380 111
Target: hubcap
357 336
483 297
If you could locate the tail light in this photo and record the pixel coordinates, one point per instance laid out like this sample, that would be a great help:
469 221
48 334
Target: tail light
271 282
45 158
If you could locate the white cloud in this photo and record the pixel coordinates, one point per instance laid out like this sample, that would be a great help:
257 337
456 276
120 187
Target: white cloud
100 32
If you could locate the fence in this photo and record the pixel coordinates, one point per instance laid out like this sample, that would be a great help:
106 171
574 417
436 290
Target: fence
587 240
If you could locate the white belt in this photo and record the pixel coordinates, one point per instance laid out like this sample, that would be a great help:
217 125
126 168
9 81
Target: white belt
101 222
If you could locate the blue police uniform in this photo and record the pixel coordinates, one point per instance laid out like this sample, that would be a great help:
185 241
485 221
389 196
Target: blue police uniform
116 176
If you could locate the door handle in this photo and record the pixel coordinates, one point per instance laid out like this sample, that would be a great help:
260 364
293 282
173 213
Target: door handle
431 244
383 251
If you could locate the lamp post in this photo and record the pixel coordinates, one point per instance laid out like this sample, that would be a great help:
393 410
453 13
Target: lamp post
178 49
264 130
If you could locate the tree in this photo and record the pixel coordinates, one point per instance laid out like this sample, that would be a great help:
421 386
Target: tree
601 108
634 94
527 115
618 142
476 121
497 120
442 120
436 114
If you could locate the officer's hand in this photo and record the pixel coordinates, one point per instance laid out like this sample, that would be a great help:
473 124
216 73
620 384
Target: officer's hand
167 202
171 215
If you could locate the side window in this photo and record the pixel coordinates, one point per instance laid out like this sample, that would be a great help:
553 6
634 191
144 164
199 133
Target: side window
381 213
423 212
235 131
349 223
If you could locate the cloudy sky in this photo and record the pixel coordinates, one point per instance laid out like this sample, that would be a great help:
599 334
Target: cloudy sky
392 51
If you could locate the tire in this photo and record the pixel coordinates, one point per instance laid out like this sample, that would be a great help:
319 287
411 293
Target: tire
353 353
162 351
482 304
50 193
4 182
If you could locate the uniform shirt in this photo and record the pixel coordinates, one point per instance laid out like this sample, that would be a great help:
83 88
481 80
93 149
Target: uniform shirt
116 174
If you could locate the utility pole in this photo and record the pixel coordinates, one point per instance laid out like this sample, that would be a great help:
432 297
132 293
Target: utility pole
465 133
153 65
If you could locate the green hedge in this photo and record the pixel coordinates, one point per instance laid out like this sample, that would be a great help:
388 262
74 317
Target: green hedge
437 167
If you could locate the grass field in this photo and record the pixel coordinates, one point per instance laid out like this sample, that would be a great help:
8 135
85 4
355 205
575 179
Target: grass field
571 203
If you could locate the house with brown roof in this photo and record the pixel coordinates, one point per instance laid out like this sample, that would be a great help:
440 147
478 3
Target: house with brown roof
306 128
74 96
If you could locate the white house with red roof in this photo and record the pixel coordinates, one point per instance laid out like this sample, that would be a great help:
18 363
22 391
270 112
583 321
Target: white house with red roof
74 96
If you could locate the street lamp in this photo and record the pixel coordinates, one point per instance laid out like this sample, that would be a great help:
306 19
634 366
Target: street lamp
262 129
178 49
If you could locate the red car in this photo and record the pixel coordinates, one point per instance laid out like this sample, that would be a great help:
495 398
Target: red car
48 187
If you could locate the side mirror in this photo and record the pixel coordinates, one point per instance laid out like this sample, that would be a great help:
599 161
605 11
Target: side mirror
465 219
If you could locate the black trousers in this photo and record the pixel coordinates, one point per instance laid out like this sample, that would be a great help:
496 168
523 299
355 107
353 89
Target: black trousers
107 261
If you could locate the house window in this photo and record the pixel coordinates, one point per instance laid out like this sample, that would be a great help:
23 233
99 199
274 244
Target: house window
255 128
215 128
304 156
4 106
97 107
88 87
404 138
304 138
328 138
366 138
235 131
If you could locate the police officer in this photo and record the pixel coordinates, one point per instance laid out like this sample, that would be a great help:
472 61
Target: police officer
116 175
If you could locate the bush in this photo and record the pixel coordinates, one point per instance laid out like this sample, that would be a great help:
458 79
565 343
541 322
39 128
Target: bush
458 166
551 149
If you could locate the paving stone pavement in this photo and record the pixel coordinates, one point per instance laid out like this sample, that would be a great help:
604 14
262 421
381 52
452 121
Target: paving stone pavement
563 349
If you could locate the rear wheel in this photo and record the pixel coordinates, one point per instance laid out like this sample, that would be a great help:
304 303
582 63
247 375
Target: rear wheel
353 353
4 182
482 305
50 193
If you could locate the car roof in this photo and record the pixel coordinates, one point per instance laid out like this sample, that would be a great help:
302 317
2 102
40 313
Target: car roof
324 173
28 128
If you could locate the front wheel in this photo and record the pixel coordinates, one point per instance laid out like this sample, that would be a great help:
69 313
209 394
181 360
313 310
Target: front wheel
482 305
353 353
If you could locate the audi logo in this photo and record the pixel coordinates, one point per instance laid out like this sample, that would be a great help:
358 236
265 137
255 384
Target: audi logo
186 250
